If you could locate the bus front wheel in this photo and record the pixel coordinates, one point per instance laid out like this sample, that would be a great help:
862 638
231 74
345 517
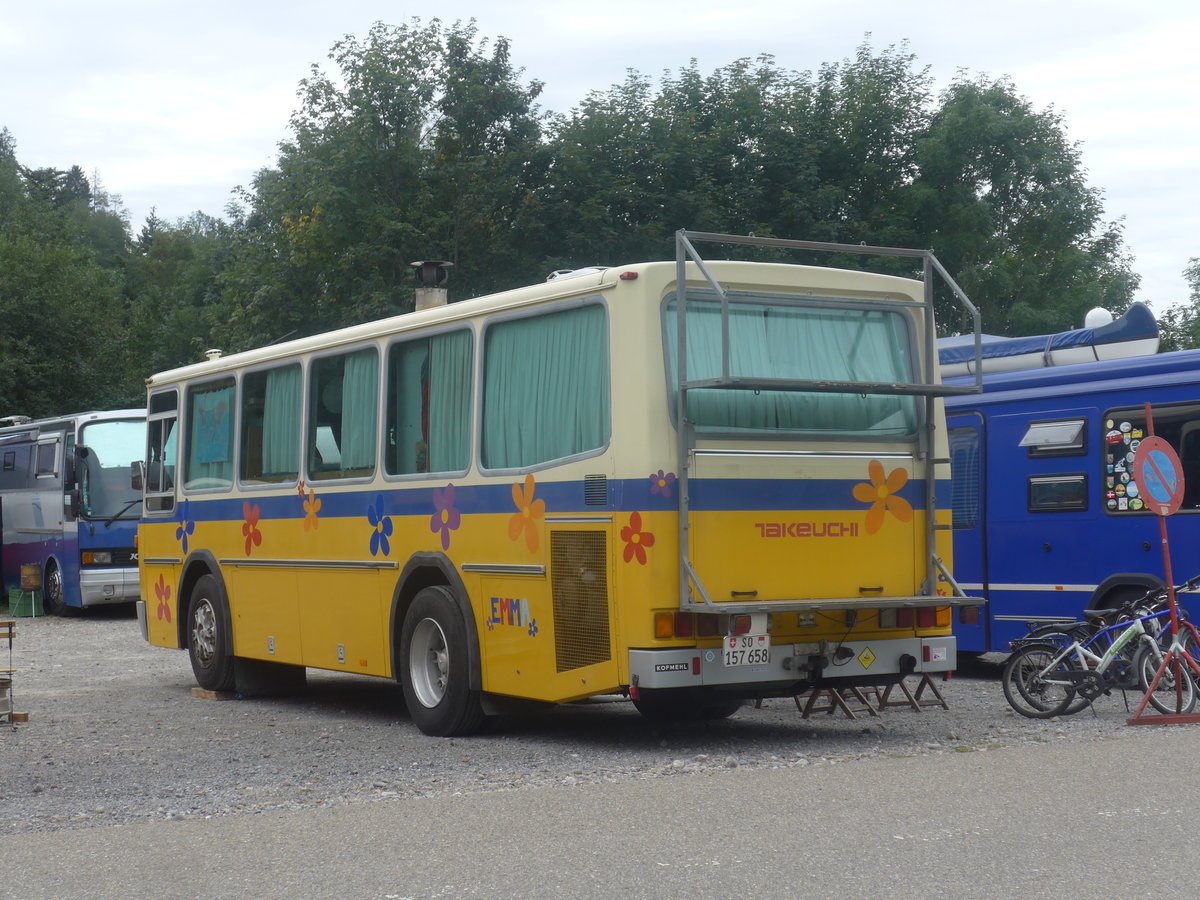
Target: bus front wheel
436 671
52 596
208 627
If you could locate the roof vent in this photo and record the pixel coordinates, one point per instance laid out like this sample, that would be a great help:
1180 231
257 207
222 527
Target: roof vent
213 355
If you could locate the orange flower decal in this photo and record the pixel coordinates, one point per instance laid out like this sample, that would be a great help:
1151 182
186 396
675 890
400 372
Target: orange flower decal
881 493
312 506
636 540
528 512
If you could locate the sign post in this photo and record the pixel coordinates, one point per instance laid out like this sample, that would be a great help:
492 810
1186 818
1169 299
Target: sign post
1159 476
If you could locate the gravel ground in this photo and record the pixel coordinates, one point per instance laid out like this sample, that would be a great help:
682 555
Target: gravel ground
115 736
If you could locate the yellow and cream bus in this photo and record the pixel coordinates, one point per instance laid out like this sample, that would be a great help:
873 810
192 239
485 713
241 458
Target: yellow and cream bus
689 482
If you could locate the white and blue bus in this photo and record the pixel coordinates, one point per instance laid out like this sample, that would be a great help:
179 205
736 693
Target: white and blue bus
67 506
1048 516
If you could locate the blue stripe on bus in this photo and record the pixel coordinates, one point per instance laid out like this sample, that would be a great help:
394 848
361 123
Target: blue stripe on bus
726 495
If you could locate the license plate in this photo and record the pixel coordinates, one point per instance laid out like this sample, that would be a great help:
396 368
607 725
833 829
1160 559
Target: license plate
747 649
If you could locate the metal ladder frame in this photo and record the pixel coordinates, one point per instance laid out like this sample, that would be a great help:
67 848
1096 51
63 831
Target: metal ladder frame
685 251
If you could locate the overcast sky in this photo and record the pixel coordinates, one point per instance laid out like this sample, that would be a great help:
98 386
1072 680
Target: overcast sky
174 105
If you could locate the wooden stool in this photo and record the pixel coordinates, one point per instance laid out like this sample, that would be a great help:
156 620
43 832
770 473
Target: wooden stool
8 628
835 699
913 700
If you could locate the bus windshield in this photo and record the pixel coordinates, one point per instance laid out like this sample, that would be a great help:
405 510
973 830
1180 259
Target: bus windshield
105 453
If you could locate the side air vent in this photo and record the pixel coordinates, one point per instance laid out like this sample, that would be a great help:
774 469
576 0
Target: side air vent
595 490
579 580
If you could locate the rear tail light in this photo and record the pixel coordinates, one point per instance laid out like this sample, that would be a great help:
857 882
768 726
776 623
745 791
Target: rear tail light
664 625
968 615
687 625
684 624
904 618
926 617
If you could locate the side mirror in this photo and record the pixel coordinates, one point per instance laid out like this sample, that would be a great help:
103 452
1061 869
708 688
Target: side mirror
137 474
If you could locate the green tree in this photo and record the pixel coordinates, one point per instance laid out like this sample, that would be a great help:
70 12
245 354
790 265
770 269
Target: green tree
173 287
425 146
60 335
61 314
1179 325
1002 197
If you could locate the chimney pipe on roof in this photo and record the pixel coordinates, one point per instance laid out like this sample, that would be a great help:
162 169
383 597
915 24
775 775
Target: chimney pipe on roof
431 274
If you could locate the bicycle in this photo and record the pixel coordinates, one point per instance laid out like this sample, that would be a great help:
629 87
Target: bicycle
1045 675
1090 631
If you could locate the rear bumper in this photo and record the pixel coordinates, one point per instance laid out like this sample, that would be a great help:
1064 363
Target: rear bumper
858 662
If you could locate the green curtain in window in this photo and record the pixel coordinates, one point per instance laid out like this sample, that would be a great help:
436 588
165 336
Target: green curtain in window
796 343
546 388
281 422
449 401
358 410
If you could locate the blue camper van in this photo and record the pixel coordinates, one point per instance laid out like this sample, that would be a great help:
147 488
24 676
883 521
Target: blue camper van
1048 516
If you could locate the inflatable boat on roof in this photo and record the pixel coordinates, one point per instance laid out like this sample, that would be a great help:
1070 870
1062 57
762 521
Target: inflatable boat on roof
1134 333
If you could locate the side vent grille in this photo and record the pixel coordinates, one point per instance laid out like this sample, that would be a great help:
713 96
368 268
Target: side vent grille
595 490
579 580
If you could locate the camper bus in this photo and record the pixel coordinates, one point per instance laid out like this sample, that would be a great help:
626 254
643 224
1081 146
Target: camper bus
688 482
67 509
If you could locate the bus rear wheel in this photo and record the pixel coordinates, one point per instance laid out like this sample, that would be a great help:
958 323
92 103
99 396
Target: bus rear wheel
52 595
208 627
436 670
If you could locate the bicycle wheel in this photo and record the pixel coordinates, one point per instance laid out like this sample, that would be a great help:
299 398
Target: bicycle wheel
1031 689
1165 698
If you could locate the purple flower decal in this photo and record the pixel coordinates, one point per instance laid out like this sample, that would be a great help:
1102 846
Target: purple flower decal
447 518
661 482
186 526
381 528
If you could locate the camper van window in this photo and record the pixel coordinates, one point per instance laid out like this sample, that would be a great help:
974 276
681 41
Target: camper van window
1059 438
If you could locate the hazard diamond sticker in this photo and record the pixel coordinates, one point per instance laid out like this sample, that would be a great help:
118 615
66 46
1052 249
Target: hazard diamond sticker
866 657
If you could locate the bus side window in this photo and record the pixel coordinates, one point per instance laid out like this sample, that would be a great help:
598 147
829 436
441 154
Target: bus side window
47 459
429 404
159 491
208 453
343 391
271 425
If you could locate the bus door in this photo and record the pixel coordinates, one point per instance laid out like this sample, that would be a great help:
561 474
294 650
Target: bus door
1042 513
967 465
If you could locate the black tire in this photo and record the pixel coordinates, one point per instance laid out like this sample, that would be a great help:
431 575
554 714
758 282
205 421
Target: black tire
684 705
208 636
1118 597
434 666
53 601
1031 694
1062 635
1165 698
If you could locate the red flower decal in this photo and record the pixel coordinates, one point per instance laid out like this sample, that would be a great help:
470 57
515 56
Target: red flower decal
162 591
250 526
636 540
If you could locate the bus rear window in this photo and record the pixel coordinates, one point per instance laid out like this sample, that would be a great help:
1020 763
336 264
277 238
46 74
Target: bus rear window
796 342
